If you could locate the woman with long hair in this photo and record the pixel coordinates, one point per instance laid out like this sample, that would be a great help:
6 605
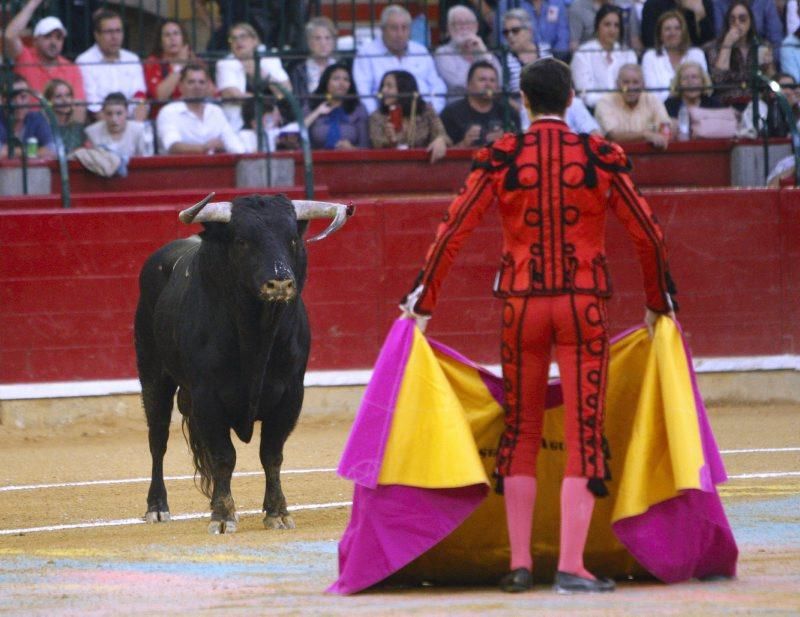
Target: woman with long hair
162 68
60 95
404 119
596 62
733 53
672 48
335 117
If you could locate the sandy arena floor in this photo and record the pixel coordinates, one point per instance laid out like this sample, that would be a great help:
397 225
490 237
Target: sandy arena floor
81 549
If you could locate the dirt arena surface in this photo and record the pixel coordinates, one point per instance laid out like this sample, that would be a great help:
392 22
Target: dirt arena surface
81 549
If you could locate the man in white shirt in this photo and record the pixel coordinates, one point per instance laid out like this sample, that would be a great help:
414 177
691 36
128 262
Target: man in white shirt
395 50
192 126
107 68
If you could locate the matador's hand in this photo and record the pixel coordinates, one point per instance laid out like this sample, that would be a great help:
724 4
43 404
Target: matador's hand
407 307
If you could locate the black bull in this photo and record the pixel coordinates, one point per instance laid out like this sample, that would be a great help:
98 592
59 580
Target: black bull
221 321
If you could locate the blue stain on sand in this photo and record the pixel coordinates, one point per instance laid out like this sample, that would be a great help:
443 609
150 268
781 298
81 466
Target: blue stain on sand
772 522
290 561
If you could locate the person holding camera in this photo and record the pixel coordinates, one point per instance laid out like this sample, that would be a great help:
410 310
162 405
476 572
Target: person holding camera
478 119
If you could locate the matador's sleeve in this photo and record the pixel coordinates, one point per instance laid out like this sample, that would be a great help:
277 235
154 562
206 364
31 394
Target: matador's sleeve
640 222
461 218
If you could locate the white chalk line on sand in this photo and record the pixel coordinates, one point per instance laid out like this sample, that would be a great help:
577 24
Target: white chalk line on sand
237 474
243 474
121 522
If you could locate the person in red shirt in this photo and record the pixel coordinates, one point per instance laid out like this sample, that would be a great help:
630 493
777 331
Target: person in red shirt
162 68
553 189
43 61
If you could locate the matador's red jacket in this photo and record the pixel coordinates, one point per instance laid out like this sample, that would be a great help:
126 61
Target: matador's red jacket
553 188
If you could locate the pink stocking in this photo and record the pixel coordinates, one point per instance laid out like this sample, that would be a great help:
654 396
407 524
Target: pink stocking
520 497
577 503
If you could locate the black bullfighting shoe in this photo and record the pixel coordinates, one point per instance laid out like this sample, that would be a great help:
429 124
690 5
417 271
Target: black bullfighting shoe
517 580
571 583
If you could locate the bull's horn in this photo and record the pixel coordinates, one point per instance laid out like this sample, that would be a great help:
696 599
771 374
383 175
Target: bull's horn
204 212
322 209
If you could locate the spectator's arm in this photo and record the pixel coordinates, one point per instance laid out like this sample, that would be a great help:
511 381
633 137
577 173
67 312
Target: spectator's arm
233 143
790 60
12 43
435 86
362 135
774 27
562 31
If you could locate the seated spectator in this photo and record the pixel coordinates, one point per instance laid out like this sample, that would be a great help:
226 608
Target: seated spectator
478 118
404 119
691 87
335 118
43 61
321 41
730 56
106 67
577 116
631 114
582 14
672 49
270 124
766 20
596 63
771 120
26 123
549 21
394 50
193 126
236 73
698 14
522 49
162 68
454 58
485 11
60 95
114 132
790 49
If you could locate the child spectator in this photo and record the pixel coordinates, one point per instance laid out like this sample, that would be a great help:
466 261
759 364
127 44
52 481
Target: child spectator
114 132
321 41
107 67
162 68
672 49
43 61
237 71
335 118
404 119
60 95
596 63
25 122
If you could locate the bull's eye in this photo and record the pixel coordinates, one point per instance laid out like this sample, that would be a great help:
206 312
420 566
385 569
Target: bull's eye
294 244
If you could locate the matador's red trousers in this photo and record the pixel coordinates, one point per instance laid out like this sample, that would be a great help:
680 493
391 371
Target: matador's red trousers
576 325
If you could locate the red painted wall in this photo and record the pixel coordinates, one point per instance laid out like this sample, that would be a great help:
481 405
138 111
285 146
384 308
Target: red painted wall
68 285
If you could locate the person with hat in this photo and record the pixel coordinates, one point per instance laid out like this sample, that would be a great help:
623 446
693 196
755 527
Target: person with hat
42 61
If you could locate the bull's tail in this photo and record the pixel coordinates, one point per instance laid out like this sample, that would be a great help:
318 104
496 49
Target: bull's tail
201 457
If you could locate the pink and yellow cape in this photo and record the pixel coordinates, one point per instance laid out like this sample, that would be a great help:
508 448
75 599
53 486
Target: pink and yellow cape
422 449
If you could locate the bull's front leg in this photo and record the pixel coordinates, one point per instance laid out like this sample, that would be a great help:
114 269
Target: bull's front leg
221 460
271 452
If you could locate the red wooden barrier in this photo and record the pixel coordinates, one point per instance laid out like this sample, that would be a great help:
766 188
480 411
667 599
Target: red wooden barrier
68 280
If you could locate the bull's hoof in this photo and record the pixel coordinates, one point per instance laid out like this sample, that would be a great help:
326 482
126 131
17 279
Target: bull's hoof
156 517
279 522
221 527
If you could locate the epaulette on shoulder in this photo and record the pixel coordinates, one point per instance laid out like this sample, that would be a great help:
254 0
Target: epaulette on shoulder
603 154
502 152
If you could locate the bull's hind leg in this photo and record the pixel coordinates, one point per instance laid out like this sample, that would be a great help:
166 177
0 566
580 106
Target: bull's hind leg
157 397
275 428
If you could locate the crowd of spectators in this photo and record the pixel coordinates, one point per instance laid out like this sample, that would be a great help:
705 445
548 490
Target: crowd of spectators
639 68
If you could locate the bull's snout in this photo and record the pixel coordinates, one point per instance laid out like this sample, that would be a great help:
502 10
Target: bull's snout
279 290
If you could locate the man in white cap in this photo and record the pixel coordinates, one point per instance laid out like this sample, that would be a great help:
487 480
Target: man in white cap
42 61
